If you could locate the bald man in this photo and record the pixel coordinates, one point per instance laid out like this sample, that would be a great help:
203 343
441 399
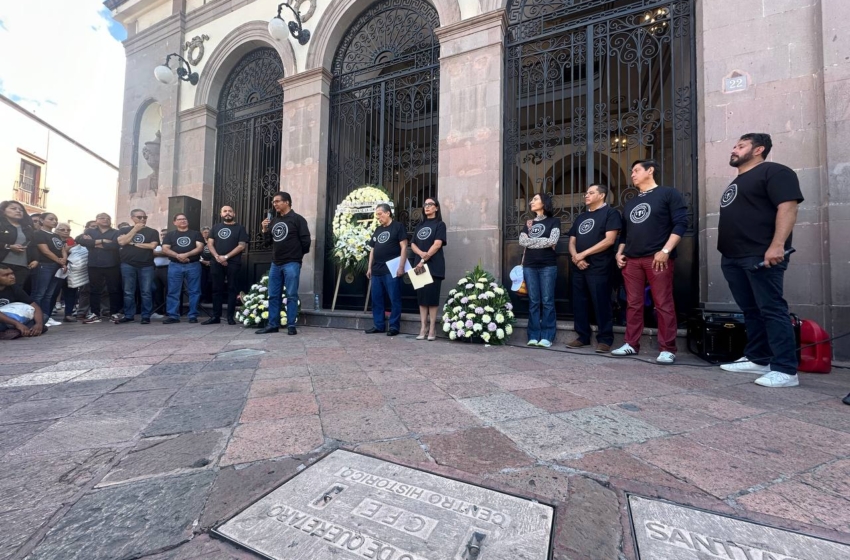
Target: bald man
226 243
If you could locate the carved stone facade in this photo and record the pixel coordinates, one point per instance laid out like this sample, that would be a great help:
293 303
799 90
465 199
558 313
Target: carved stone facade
795 78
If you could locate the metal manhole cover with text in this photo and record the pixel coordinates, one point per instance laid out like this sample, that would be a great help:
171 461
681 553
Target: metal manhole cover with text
349 506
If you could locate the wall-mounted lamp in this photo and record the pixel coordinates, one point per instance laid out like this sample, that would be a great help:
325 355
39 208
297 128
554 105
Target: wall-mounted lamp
165 74
278 28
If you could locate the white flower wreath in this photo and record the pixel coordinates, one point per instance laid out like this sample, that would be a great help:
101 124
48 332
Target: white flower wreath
353 225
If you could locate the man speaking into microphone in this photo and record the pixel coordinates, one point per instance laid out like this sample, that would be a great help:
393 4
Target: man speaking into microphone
758 211
289 236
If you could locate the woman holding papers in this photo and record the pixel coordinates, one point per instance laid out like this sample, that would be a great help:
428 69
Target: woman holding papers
428 242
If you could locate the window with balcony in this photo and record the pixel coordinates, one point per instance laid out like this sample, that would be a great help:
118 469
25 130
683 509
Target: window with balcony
28 186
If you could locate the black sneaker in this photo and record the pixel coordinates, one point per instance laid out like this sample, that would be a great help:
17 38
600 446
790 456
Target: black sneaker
171 321
392 332
374 330
146 321
231 321
291 331
125 320
193 320
211 321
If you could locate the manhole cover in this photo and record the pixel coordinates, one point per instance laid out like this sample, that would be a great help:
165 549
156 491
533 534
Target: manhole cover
673 532
349 506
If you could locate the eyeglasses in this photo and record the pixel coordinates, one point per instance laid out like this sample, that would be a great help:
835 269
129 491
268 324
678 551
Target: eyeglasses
140 217
429 204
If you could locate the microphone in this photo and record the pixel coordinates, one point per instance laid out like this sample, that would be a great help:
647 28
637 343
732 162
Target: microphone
269 214
762 264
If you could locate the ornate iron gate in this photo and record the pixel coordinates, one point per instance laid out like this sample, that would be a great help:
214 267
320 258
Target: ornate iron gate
593 85
384 101
248 147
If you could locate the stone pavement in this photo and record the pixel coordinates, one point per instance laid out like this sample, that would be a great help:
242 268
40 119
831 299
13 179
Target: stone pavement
133 441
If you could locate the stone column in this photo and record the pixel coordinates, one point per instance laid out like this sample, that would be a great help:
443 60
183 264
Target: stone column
471 123
196 158
306 107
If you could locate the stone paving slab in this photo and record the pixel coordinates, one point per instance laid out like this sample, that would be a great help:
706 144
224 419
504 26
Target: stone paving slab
579 430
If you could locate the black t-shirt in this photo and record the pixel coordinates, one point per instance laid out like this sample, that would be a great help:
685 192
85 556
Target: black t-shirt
426 234
226 237
53 242
541 258
589 229
386 245
206 254
137 256
183 242
748 209
14 294
650 218
289 237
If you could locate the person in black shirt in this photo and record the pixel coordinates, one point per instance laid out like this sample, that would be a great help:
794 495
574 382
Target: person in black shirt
206 260
226 243
289 236
653 224
16 232
389 241
593 237
183 247
52 257
10 327
137 243
539 237
104 270
429 239
758 211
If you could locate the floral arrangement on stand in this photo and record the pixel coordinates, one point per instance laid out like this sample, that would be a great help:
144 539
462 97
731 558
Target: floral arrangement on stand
255 305
478 310
353 224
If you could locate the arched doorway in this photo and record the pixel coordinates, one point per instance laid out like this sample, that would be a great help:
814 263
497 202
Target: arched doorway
248 147
590 87
384 103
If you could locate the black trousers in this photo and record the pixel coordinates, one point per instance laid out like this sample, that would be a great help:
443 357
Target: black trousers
595 289
219 274
160 289
111 278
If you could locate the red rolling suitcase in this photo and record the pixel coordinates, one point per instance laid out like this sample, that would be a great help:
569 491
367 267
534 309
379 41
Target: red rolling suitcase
815 349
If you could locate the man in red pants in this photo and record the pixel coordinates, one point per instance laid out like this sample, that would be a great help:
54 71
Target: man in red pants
654 222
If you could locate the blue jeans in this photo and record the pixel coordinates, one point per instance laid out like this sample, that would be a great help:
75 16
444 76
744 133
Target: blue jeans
595 289
770 335
143 278
284 276
390 285
177 274
44 284
541 291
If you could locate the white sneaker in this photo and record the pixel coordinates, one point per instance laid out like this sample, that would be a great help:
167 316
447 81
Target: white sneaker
624 350
531 342
116 316
52 323
778 379
157 316
666 357
743 365
544 343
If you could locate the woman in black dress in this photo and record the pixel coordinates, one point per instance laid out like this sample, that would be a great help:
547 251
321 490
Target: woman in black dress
428 242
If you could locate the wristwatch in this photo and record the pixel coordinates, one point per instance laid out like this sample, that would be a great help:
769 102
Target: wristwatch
665 251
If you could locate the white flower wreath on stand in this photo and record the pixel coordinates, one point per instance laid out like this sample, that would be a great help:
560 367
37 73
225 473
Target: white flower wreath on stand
353 225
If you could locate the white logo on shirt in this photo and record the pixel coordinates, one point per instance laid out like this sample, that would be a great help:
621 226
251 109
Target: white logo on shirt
224 233
4 301
729 195
424 234
138 238
586 226
640 213
536 231
384 237
280 231
183 241
57 243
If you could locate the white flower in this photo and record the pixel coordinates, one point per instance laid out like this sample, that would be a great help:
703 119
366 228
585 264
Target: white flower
262 289
477 327
468 286
508 330
452 335
485 337
462 281
446 327
265 315
467 334
488 309
246 322
500 318
486 318
479 286
452 292
499 291
473 296
500 334
482 279
490 294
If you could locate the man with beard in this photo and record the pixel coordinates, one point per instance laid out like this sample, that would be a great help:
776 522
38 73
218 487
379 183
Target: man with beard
226 242
758 211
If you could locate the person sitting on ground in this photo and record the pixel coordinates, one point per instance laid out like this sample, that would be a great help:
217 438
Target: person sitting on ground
13 326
